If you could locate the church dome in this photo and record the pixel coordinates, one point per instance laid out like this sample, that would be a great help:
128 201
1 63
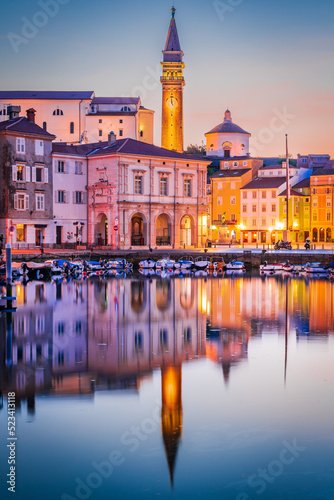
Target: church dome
228 127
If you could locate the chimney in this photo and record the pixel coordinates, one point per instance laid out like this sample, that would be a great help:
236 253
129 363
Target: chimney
111 138
31 114
13 112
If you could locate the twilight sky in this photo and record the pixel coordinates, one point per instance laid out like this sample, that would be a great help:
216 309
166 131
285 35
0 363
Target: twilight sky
270 62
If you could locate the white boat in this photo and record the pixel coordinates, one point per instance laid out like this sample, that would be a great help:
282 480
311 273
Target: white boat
201 262
184 264
165 264
316 268
235 265
147 264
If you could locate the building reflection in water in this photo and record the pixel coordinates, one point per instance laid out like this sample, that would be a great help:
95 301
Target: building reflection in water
80 337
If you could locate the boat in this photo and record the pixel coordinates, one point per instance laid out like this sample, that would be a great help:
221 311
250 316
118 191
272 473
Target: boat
201 262
316 268
118 264
147 264
184 263
235 265
166 263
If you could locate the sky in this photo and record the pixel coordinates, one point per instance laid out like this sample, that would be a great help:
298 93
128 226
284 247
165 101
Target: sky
269 62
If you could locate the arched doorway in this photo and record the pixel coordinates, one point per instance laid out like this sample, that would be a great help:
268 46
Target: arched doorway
163 230
321 235
101 230
186 231
315 235
328 235
137 230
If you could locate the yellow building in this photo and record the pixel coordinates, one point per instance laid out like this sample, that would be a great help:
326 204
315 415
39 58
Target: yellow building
172 81
225 203
322 203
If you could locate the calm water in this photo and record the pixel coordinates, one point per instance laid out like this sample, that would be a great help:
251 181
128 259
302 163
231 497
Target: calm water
172 389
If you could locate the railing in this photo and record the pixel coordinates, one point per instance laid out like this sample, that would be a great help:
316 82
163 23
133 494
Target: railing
162 241
137 241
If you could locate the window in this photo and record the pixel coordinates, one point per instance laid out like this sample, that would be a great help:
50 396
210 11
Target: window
60 196
120 132
226 164
39 148
328 190
232 185
245 163
235 164
219 185
273 194
100 121
328 202
315 216
263 208
58 112
273 222
273 208
264 194
20 232
187 188
328 215
254 222
125 109
21 173
39 173
79 198
307 200
21 201
60 167
163 186
100 133
254 208
314 190
233 218
304 160
141 133
44 126
20 145
121 121
315 203
264 222
244 208
72 128
244 195
40 201
138 341
78 168
244 221
254 194
232 200
219 200
138 184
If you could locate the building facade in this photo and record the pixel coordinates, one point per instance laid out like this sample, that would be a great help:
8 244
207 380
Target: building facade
322 203
26 182
227 139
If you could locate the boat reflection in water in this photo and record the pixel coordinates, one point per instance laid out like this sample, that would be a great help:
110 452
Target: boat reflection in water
81 338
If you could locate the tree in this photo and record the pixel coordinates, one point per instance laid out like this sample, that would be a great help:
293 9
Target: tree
194 149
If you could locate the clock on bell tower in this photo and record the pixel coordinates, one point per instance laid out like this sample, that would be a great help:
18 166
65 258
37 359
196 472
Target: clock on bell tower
172 81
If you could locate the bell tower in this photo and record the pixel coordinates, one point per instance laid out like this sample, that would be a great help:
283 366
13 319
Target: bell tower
172 81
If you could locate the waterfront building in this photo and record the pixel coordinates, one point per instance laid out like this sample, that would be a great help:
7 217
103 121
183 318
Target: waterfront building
172 82
225 203
312 161
81 117
26 181
322 203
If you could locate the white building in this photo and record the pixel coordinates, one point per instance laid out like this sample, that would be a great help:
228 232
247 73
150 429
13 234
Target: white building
227 139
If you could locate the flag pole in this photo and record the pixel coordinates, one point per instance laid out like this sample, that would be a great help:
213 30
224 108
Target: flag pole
287 185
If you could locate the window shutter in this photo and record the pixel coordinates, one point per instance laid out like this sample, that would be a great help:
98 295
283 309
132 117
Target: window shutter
14 173
15 201
84 198
46 175
73 197
27 202
27 172
56 196
67 196
56 166
67 167
33 174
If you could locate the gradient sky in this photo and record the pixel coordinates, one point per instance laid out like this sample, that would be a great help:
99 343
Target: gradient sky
260 58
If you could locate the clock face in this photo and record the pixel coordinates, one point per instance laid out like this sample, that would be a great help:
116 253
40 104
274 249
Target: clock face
172 101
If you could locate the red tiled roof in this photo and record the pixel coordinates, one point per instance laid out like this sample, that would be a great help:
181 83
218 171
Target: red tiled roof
265 183
228 128
235 172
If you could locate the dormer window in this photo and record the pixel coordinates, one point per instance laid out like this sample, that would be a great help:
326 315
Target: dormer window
125 109
58 112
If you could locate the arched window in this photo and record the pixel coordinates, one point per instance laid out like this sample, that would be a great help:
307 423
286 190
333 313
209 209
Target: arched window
315 235
58 112
72 128
321 234
328 235
125 109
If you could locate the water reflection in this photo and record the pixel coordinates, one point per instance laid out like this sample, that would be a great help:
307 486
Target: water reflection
81 337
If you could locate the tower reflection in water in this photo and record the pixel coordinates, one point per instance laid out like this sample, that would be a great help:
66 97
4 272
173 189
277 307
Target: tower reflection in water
82 337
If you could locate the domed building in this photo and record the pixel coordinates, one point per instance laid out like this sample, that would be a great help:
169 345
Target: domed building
227 139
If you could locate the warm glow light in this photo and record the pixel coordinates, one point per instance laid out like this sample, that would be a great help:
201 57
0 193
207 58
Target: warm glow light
280 225
295 224
213 227
205 220
241 227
